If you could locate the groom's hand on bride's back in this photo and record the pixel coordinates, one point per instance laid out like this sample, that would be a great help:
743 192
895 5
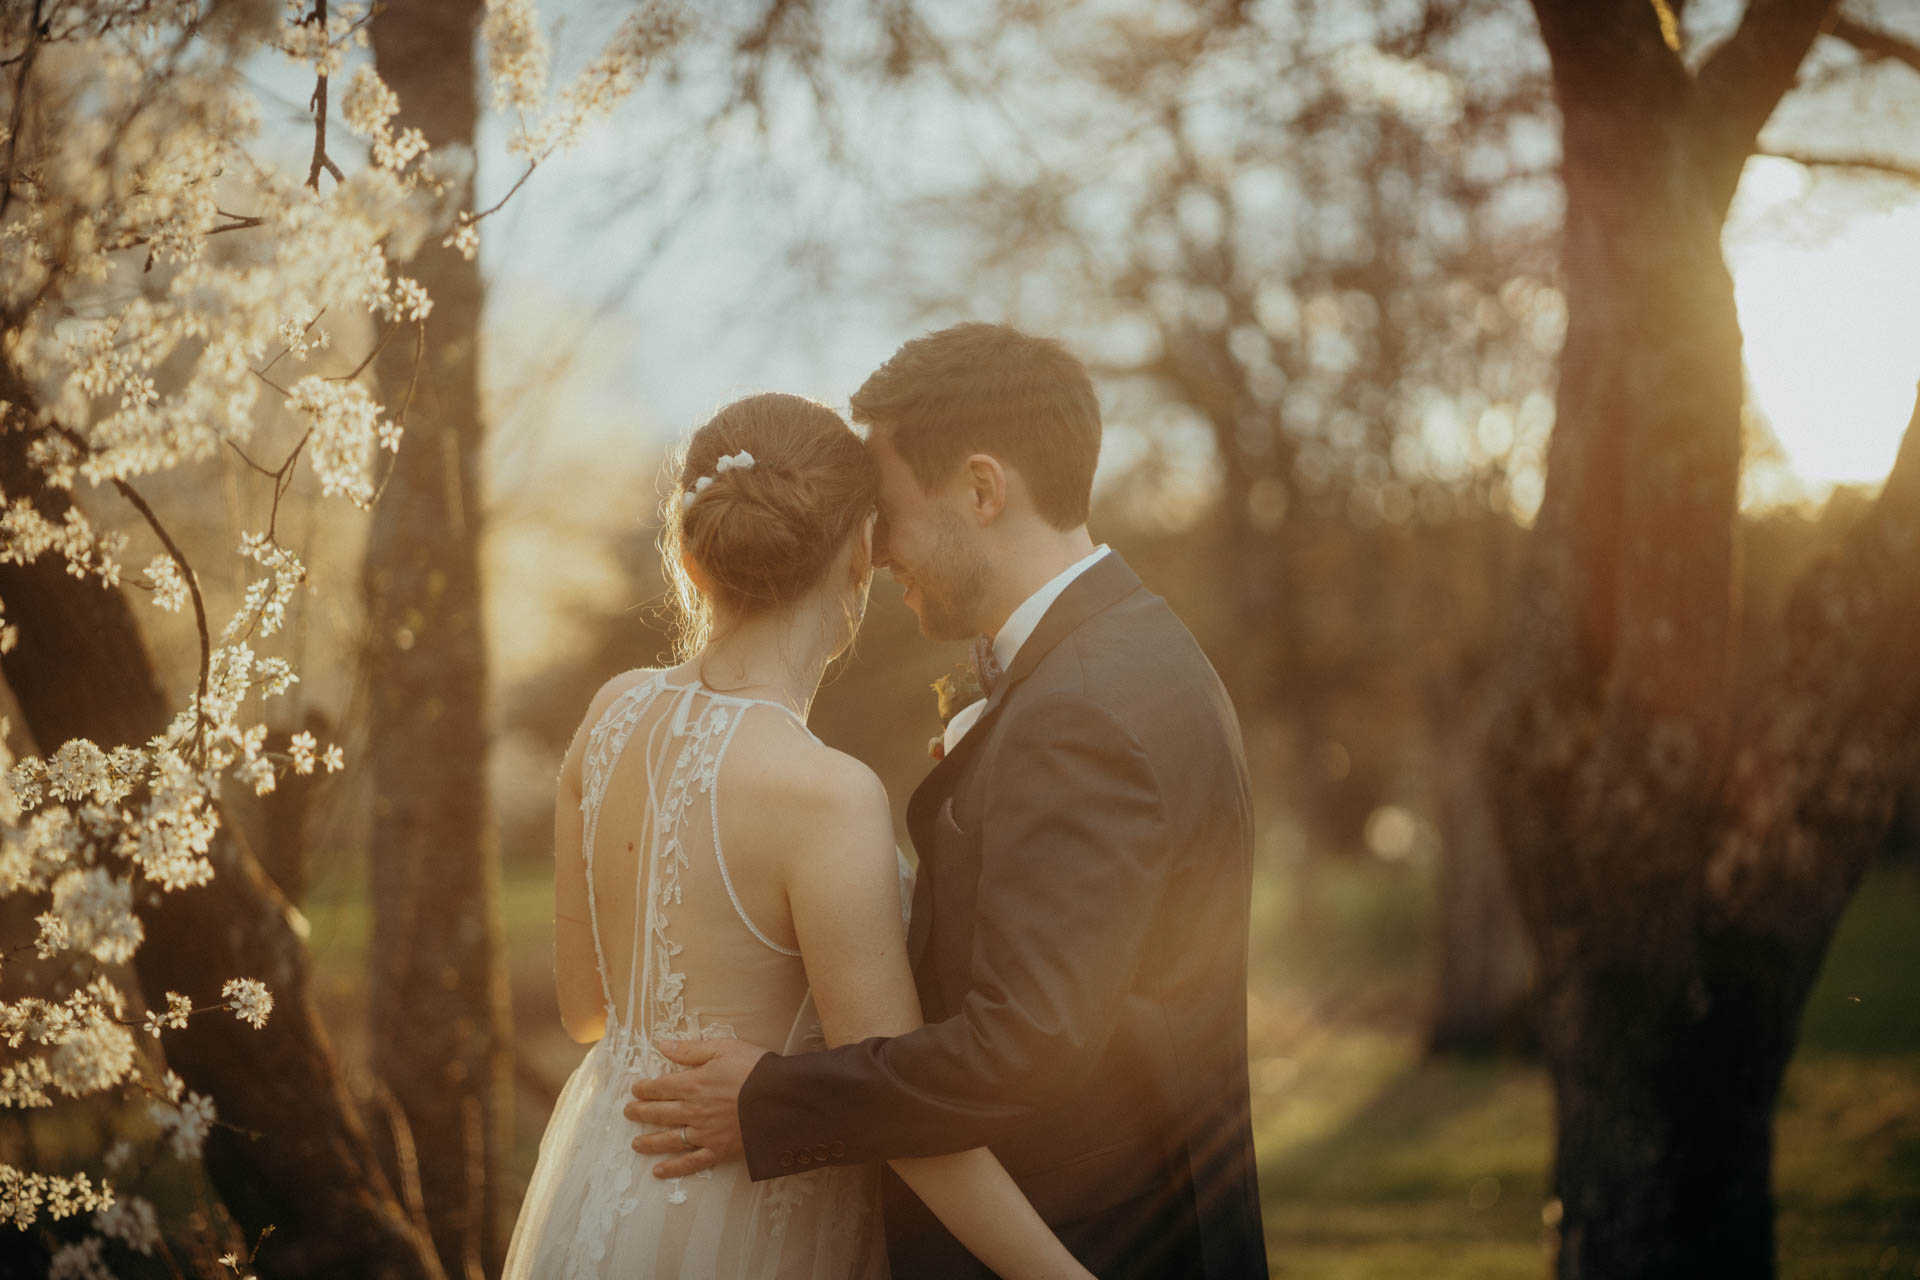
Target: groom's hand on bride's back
696 1109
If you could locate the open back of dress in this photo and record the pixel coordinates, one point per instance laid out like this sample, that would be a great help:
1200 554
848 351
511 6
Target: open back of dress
679 957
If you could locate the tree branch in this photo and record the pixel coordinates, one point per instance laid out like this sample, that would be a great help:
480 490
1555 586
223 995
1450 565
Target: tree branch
1604 52
1835 735
19 107
1875 42
1908 169
179 558
1744 79
319 104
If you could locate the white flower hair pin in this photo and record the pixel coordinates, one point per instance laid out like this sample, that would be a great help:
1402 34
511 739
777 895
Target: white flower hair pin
741 461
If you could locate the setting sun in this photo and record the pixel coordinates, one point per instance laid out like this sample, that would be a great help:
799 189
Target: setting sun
1832 331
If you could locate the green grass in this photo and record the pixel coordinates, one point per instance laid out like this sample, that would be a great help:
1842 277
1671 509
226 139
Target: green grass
1868 997
1377 1162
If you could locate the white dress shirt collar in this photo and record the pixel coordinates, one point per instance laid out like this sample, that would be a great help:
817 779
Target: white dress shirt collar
1020 623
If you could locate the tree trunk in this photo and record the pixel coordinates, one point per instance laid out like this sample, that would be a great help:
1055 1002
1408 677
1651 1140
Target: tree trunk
1681 846
297 1160
1665 1123
439 1003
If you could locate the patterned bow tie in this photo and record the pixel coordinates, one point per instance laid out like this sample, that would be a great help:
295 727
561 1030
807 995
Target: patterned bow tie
986 666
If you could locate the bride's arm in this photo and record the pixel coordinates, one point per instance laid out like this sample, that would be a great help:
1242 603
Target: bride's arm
843 891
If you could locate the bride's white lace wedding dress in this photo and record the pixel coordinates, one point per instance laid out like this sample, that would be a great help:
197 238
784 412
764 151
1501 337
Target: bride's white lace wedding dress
670 934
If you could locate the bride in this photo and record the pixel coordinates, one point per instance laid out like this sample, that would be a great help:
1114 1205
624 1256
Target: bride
718 871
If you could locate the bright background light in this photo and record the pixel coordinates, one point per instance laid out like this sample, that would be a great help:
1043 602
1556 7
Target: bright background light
1828 287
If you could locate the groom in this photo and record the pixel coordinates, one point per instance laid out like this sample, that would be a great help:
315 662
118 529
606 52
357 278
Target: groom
1079 927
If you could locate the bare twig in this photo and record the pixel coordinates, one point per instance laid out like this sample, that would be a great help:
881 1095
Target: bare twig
237 223
283 481
517 184
1908 169
179 558
139 504
19 106
366 360
318 103
270 382
1876 42
304 330
406 401
265 471
1745 78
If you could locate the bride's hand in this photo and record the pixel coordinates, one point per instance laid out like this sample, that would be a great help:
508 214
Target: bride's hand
696 1109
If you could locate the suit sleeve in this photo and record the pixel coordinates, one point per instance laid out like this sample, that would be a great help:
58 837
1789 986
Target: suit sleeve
1074 853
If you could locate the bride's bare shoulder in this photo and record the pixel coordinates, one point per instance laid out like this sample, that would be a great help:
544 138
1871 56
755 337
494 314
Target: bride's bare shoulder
603 697
789 775
597 707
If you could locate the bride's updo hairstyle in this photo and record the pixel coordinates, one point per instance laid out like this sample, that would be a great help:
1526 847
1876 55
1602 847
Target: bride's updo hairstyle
760 535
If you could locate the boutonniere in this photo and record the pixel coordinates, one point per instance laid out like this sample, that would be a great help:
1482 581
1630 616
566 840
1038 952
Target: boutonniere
956 691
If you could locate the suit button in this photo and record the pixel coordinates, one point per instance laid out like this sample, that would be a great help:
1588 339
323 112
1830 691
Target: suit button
820 1152
837 1150
786 1159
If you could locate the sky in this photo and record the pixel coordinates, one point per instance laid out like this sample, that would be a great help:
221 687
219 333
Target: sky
1826 267
603 350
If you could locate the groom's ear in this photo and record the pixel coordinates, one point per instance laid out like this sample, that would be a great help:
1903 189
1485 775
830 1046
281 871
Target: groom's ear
866 540
986 483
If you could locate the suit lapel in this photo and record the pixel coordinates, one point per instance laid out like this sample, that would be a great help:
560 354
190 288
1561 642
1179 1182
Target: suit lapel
1105 583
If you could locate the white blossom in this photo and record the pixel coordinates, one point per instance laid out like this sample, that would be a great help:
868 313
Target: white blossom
78 770
51 936
368 105
26 1195
91 1058
168 583
179 1009
406 300
517 54
80 1260
613 74
185 1123
464 239
249 999
132 1221
344 419
97 910
148 355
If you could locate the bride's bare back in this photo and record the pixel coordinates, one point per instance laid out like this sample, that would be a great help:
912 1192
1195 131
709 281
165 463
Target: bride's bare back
684 792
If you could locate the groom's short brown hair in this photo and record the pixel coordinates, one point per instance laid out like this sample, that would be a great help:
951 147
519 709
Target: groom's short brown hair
988 388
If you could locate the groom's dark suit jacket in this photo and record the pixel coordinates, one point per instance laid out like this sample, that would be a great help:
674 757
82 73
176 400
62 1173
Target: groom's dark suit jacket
1079 938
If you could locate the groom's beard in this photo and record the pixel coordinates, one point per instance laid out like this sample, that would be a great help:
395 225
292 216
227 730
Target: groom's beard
952 583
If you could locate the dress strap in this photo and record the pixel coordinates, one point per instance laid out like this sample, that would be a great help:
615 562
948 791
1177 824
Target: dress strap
741 700
713 817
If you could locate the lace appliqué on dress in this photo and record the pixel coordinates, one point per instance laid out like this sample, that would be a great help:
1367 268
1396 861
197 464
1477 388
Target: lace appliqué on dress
687 731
